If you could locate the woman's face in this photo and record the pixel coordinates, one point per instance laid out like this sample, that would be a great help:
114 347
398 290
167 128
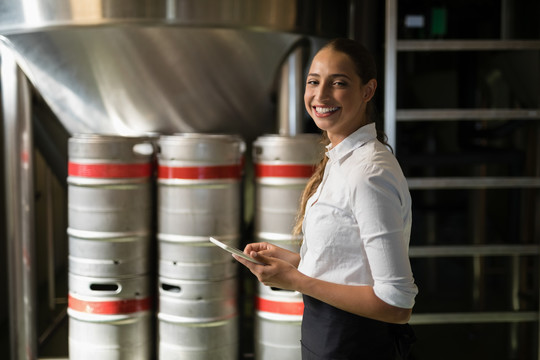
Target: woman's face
335 96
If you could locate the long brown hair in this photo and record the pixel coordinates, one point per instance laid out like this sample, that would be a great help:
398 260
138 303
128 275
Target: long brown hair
366 69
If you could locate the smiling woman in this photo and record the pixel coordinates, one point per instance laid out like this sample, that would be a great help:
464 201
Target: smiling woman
336 96
353 267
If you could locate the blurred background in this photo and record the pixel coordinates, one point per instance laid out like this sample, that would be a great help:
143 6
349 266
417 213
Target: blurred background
458 96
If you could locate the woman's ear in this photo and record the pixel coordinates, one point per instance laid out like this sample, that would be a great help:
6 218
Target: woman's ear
369 89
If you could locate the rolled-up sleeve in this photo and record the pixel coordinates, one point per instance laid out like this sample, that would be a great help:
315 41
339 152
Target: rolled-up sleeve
381 204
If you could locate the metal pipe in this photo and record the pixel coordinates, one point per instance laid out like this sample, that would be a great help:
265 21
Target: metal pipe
390 77
351 31
290 96
18 167
50 241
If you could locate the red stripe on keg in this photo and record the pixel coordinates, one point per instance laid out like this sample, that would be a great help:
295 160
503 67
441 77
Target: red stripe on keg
290 171
110 170
125 306
200 172
279 307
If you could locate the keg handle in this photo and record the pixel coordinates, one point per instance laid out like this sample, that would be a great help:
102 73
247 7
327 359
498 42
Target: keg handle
106 287
171 288
144 149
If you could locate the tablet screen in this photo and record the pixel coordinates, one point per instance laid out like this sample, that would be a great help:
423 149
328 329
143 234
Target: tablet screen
234 251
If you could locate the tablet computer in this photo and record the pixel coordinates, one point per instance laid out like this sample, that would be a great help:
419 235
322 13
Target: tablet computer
234 251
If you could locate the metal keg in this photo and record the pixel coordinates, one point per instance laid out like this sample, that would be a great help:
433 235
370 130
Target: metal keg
109 257
109 185
278 319
198 301
194 258
110 319
199 185
283 165
181 340
110 203
199 195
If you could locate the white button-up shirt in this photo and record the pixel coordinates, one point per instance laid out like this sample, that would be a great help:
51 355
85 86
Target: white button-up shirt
357 224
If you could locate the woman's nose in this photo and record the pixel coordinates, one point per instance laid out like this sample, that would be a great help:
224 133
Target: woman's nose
322 93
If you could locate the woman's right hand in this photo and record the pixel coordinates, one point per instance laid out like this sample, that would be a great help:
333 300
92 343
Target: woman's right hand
272 250
277 266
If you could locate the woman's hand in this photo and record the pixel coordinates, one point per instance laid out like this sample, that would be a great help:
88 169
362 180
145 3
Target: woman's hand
274 251
280 265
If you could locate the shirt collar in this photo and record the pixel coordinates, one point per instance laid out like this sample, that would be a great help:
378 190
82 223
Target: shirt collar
352 142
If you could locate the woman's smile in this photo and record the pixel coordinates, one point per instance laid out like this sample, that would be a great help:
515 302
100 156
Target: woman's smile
324 111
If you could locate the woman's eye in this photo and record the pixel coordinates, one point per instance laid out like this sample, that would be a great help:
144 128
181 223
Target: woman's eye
312 82
340 83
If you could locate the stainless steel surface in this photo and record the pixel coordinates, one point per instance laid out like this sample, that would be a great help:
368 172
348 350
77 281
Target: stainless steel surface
283 166
277 337
105 211
161 66
390 71
198 301
133 80
18 169
109 337
109 256
109 226
288 16
277 333
290 95
180 340
199 187
199 195
109 289
110 187
199 150
51 288
275 150
194 258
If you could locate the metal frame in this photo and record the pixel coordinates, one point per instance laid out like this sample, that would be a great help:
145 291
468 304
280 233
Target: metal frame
473 183
466 45
19 167
390 72
465 114
392 115
393 46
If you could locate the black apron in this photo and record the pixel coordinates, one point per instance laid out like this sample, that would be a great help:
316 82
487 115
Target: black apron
329 333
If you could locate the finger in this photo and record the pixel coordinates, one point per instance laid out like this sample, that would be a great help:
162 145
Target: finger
267 253
249 264
255 247
262 258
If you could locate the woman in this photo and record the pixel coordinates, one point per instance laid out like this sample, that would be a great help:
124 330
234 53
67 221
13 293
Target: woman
353 268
